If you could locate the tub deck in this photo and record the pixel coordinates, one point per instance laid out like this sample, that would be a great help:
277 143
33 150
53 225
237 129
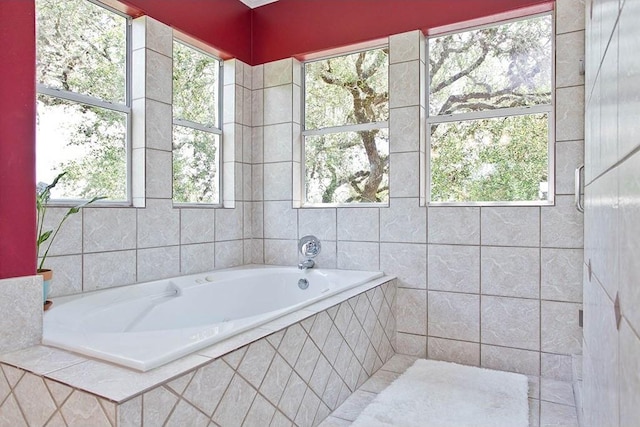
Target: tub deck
119 385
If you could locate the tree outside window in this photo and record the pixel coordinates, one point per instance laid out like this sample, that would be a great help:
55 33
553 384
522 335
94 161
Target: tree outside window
82 102
490 113
196 126
346 137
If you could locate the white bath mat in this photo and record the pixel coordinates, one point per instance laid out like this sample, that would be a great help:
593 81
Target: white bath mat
442 394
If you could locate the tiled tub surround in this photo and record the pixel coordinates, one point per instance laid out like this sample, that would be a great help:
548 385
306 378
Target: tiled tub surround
293 371
146 325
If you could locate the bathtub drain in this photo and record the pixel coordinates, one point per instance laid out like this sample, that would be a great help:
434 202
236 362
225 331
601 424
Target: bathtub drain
303 283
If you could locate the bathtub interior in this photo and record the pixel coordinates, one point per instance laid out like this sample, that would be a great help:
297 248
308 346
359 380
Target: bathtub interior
147 325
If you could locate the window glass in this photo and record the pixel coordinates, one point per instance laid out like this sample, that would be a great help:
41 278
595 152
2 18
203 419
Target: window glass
82 110
335 163
195 85
195 166
498 159
346 142
196 132
81 49
490 113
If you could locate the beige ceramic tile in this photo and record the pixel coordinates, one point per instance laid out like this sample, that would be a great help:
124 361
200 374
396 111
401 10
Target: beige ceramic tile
116 383
559 328
454 268
21 305
150 269
354 405
454 225
318 222
34 399
510 359
402 126
464 353
455 316
10 413
235 403
68 275
404 47
556 366
411 345
404 221
158 405
108 229
278 73
511 272
197 225
404 84
358 255
41 359
511 226
557 391
84 409
278 104
510 322
129 413
553 414
561 274
412 311
361 224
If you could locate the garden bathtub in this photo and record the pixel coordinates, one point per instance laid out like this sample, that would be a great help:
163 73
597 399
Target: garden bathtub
146 325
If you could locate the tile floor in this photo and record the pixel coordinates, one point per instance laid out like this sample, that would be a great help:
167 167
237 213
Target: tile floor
551 402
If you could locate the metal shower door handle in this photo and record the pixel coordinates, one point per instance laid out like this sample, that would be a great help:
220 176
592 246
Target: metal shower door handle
579 188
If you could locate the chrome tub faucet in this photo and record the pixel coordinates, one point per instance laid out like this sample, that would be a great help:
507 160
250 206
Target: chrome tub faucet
310 248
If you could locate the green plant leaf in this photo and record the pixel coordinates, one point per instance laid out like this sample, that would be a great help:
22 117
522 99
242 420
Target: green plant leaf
44 237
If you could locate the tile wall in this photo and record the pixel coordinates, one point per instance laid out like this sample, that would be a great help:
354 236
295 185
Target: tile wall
110 246
611 365
496 286
21 308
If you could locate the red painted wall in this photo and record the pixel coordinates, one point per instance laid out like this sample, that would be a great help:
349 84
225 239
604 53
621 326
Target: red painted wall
223 24
17 139
293 27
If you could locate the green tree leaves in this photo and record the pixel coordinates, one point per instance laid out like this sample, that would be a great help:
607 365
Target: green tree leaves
346 166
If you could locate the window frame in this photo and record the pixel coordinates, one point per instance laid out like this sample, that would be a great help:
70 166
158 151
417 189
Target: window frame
179 38
548 109
78 98
334 129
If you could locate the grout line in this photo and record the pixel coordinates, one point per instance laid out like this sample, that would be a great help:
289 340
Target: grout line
480 246
540 292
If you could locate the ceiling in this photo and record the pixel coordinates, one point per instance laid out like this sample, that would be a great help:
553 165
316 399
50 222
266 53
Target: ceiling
256 3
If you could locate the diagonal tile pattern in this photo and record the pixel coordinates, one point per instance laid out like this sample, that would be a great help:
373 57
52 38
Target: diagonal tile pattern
293 377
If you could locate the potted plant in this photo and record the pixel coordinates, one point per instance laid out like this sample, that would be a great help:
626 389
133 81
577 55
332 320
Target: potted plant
43 193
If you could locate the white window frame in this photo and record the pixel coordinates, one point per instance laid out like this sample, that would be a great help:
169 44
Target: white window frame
548 109
92 101
334 129
203 128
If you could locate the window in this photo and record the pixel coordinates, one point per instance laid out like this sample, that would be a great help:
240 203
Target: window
82 99
196 126
490 119
346 136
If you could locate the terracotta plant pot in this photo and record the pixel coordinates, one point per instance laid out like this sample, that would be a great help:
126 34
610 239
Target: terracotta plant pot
47 275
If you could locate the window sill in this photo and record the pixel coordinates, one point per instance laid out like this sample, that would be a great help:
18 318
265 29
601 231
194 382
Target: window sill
494 204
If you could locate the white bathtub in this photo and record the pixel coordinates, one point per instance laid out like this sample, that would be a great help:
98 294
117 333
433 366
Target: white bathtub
145 325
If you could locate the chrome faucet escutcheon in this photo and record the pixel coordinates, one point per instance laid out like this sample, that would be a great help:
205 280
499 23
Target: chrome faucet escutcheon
309 247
